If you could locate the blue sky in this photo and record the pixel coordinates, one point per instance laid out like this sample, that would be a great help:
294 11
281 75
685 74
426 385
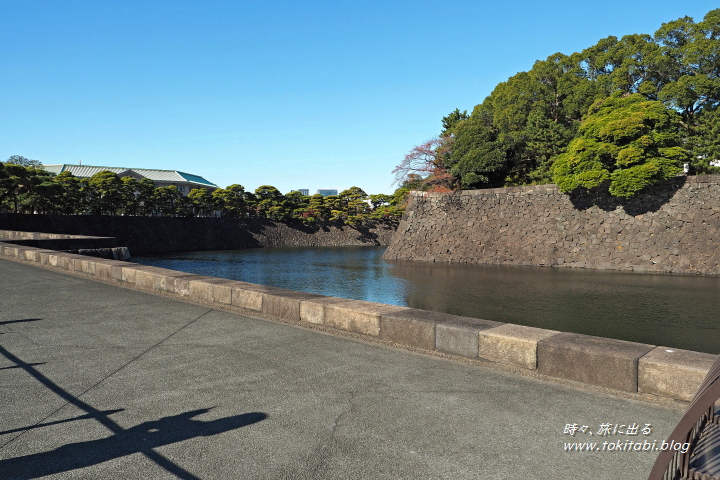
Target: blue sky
309 94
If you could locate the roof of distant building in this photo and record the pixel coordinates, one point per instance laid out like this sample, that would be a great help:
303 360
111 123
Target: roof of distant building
86 171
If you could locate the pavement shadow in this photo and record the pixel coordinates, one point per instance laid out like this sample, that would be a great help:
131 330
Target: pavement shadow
15 366
141 438
58 422
6 322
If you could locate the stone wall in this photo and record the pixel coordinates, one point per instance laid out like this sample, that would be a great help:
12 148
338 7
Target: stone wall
167 234
671 228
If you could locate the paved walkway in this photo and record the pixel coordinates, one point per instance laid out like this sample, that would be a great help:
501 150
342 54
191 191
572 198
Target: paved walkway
101 382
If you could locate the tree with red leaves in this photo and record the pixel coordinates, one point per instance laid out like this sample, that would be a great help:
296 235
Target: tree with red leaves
424 166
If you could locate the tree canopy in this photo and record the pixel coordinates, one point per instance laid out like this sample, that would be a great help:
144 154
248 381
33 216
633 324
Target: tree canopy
27 189
545 124
626 142
25 162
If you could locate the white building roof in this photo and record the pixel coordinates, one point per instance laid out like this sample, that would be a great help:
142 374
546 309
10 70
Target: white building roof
170 176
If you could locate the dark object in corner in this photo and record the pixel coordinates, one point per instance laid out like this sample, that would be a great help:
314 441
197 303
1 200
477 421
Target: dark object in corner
697 436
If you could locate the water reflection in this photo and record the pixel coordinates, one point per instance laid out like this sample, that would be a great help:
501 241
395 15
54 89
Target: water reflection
678 311
670 310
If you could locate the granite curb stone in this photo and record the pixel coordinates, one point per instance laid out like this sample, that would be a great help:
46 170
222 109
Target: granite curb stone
109 270
672 372
181 285
284 304
145 277
248 296
313 311
459 336
413 327
207 290
164 279
592 360
512 344
358 316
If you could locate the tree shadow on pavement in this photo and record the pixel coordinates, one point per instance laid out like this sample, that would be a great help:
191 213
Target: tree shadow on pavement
141 438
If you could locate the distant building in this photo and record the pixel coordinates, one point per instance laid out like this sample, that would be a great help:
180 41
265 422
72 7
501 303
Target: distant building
161 178
327 192
304 191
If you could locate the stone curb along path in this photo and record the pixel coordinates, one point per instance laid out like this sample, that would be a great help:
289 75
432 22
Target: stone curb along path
645 372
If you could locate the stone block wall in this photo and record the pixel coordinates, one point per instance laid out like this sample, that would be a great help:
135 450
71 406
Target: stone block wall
672 228
168 234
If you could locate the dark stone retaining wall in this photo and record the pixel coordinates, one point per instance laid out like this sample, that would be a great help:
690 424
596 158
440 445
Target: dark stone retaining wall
167 234
55 241
672 228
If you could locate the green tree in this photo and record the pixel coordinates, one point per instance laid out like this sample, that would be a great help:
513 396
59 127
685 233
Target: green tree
626 144
204 203
130 203
40 194
400 196
71 200
636 66
231 201
380 200
146 197
510 138
251 204
184 206
268 198
478 157
705 144
316 209
451 120
295 204
354 205
383 209
690 66
22 189
12 179
105 193
25 162
598 62
169 201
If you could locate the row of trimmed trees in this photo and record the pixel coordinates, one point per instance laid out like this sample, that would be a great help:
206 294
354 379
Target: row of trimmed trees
619 116
27 188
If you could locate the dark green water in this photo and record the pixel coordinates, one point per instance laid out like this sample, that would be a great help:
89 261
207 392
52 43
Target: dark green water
668 310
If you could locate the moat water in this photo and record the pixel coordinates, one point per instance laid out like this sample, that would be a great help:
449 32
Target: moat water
669 310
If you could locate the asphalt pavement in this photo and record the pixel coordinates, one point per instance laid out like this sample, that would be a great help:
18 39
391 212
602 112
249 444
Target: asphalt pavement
103 382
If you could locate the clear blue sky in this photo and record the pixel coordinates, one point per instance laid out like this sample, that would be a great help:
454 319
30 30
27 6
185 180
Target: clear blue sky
295 94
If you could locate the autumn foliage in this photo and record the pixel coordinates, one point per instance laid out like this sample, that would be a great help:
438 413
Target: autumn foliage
424 166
